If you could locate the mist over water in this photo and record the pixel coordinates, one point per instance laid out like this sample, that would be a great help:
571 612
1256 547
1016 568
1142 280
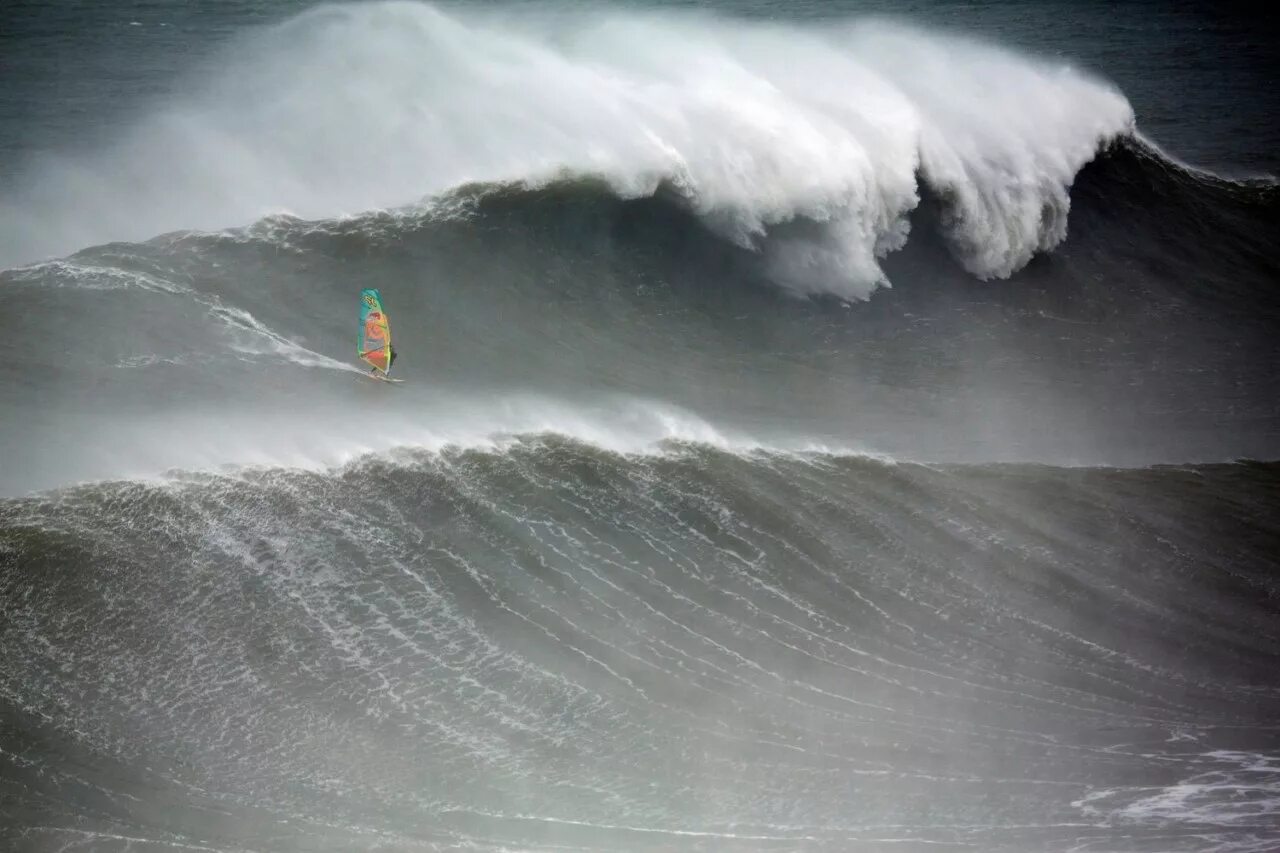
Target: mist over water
819 431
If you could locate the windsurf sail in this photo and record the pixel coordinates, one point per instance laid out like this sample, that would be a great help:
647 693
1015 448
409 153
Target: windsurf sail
374 345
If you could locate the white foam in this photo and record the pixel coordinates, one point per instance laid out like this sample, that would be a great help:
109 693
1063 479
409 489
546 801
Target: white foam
252 337
352 108
1231 789
83 276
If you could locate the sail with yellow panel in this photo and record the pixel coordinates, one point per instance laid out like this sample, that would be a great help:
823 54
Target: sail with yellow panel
374 345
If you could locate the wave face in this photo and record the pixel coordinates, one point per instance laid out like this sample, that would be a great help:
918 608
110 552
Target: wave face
1147 338
686 530
549 645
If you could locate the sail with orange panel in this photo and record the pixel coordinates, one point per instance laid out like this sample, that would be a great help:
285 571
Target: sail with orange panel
374 345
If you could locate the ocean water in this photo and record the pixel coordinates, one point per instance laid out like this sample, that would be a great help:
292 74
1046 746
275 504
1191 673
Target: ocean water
839 426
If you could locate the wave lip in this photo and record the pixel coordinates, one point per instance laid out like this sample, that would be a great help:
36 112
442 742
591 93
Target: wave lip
353 108
329 439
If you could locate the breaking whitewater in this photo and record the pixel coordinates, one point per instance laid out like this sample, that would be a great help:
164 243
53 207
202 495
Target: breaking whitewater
775 469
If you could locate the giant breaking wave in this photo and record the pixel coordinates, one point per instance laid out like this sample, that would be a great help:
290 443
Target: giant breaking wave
808 144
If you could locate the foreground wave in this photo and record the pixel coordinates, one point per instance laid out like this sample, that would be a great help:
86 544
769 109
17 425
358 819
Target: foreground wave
553 645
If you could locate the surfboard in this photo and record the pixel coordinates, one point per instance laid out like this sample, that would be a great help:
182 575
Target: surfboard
374 342
382 378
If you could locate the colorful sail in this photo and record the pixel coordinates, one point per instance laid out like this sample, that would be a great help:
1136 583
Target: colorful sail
374 345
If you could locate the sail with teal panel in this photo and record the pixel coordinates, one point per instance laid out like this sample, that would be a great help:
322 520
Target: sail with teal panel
374 345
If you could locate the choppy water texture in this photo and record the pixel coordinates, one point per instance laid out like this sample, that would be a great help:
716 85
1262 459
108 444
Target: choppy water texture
820 432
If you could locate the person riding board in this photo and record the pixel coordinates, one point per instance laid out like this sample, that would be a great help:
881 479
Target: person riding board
374 345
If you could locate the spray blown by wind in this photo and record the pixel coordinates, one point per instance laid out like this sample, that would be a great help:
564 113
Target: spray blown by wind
352 108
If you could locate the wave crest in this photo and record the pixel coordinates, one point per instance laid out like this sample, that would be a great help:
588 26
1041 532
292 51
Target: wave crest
353 108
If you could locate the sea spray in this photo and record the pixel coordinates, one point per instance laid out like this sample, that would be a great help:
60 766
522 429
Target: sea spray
351 108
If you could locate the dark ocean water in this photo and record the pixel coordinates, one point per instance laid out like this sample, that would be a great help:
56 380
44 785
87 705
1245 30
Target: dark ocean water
821 429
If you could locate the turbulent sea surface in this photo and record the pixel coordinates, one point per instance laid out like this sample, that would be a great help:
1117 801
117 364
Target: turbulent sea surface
821 430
